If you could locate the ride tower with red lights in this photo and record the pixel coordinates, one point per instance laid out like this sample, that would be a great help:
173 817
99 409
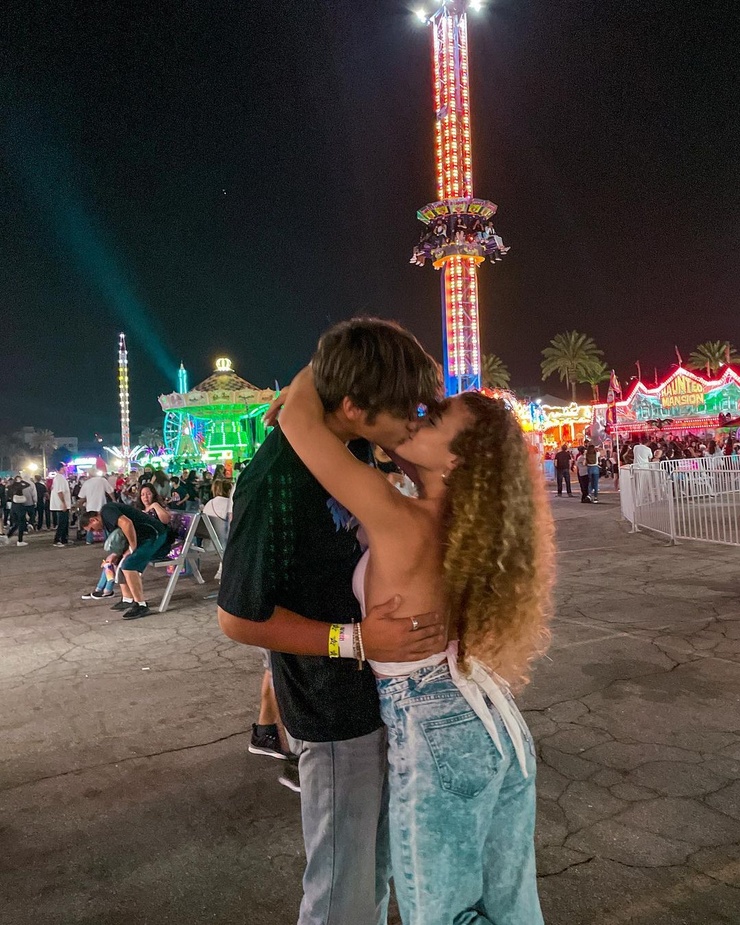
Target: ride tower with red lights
458 235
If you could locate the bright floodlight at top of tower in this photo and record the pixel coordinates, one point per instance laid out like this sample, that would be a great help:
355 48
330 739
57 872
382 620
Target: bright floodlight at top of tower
452 6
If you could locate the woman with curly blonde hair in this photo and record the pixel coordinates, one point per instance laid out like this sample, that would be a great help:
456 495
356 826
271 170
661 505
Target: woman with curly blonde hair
476 545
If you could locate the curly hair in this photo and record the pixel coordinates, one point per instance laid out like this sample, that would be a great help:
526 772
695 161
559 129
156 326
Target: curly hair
498 559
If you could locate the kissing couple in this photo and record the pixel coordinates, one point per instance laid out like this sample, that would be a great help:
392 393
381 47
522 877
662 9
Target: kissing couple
395 645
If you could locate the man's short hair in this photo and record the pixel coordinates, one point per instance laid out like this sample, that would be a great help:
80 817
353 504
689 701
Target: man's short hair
378 365
87 517
61 466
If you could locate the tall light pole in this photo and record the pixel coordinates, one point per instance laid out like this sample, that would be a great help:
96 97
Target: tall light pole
123 401
459 234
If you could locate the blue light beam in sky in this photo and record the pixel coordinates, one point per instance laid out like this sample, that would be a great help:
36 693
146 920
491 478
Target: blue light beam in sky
48 175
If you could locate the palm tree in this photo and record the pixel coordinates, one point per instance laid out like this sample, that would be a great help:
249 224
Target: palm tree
712 354
593 374
151 437
13 450
494 372
569 355
45 441
6 451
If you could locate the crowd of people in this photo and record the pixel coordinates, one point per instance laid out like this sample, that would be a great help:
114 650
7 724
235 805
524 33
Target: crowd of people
591 462
34 504
131 514
673 447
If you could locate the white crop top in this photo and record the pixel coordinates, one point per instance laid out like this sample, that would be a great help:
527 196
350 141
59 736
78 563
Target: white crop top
388 669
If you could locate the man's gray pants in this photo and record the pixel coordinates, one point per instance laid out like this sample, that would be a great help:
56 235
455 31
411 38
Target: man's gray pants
344 809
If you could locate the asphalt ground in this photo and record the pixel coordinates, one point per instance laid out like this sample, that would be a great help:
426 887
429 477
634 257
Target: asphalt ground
128 797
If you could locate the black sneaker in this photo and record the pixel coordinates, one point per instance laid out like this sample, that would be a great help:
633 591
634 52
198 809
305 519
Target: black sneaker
96 595
122 605
267 742
290 777
136 611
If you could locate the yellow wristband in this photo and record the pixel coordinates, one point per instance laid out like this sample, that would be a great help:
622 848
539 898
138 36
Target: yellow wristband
334 632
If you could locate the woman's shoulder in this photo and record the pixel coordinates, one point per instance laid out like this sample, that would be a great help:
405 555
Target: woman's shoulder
415 525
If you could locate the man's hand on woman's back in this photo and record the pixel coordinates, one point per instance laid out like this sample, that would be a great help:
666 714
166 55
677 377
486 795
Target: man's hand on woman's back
389 637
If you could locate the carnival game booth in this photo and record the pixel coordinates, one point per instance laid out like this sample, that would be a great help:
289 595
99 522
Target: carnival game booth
221 419
547 422
684 402
561 422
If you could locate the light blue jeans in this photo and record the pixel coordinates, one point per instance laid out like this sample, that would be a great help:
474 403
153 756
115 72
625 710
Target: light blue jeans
461 815
105 583
593 481
344 809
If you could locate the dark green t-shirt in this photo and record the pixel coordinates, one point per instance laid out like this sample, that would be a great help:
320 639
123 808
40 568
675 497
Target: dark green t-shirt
289 546
146 527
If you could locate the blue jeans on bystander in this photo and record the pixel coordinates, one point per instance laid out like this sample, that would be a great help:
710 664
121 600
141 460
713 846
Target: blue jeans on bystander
593 481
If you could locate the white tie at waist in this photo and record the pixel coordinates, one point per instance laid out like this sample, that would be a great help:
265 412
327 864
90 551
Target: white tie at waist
479 683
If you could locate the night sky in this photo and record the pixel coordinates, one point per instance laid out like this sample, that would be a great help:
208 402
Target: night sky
232 177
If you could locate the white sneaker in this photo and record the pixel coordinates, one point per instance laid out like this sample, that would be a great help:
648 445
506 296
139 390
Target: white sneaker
21 544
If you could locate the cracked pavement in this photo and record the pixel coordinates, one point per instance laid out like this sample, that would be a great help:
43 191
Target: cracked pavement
127 794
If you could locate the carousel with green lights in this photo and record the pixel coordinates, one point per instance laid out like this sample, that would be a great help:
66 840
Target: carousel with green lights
218 421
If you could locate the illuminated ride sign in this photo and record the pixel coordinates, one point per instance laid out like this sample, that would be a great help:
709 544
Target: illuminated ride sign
220 419
683 392
689 400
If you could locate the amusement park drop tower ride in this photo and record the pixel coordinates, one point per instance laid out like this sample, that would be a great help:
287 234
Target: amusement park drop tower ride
459 234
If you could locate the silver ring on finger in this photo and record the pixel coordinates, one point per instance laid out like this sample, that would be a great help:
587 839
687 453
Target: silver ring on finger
414 623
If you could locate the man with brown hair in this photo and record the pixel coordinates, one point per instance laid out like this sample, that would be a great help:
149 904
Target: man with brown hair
287 575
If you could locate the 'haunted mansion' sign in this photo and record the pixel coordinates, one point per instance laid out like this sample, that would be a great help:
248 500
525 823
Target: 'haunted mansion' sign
685 398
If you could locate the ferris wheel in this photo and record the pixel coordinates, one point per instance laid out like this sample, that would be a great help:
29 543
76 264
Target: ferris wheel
182 433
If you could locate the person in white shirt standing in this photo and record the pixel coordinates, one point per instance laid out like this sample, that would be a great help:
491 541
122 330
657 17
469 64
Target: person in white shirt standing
641 454
95 492
61 501
219 509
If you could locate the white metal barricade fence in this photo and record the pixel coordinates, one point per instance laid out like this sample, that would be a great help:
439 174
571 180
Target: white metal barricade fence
695 499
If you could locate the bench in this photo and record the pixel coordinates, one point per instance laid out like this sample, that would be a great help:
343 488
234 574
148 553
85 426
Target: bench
184 552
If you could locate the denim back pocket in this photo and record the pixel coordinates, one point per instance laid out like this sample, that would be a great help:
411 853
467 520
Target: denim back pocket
464 753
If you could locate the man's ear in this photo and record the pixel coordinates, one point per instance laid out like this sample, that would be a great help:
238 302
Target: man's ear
351 411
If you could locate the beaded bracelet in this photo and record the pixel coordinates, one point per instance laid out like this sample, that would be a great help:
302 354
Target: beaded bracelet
358 645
